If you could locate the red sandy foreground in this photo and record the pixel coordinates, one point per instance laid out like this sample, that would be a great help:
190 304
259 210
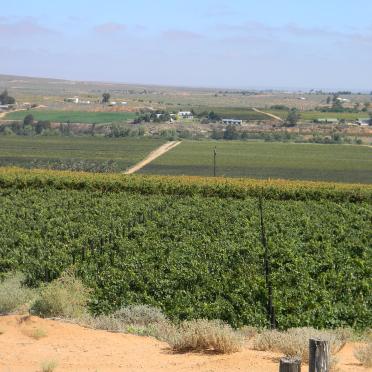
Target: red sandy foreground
75 348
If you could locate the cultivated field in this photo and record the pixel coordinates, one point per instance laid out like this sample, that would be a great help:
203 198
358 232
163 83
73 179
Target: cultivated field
313 115
341 163
67 151
73 116
193 246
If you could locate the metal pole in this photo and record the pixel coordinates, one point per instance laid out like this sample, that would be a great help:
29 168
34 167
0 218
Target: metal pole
214 161
267 267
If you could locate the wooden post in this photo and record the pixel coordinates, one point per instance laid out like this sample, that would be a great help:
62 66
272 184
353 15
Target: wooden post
288 364
318 355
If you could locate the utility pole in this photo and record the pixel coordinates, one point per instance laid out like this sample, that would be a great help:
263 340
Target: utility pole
214 161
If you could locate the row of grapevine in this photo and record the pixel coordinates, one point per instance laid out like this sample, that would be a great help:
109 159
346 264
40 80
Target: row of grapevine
184 185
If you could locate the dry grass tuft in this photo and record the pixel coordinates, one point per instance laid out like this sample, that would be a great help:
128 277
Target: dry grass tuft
295 341
49 366
35 333
104 322
141 315
248 332
195 335
205 335
140 320
364 354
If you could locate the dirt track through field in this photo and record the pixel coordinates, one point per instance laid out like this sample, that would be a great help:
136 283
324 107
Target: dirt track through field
152 156
268 114
2 114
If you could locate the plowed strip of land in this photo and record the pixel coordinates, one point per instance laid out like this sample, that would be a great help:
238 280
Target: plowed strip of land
152 156
74 348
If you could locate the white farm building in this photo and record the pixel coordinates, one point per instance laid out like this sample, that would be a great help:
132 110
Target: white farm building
185 115
232 121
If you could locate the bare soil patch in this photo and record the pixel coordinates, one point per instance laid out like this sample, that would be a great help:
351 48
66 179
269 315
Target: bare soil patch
75 348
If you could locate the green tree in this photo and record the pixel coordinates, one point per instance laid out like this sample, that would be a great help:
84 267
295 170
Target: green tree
28 120
106 97
231 133
217 134
212 116
293 117
5 99
42 125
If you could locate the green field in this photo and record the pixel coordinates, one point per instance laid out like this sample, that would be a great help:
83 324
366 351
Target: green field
48 151
193 247
313 115
340 163
73 116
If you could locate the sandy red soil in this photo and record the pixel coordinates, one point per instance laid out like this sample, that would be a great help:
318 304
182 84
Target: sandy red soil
75 348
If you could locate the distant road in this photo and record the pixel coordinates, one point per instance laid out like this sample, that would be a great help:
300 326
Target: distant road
2 114
268 114
152 156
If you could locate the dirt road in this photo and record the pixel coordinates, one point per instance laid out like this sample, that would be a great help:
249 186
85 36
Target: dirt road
2 114
152 156
268 114
78 349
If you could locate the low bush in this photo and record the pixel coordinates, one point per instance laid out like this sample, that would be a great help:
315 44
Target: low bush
295 341
203 335
104 322
14 297
66 297
364 354
142 320
142 315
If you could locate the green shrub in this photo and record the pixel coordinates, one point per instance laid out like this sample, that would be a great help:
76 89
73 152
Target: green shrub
65 297
14 296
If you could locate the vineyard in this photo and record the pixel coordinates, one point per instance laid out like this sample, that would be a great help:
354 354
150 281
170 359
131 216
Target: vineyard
75 153
73 116
193 246
268 160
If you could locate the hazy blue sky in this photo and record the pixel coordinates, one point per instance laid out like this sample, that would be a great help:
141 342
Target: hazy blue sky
217 43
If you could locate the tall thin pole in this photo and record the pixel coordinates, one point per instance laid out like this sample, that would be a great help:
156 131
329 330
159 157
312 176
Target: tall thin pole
214 161
267 267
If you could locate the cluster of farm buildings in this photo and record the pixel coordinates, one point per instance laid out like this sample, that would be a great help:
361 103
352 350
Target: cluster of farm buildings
77 100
